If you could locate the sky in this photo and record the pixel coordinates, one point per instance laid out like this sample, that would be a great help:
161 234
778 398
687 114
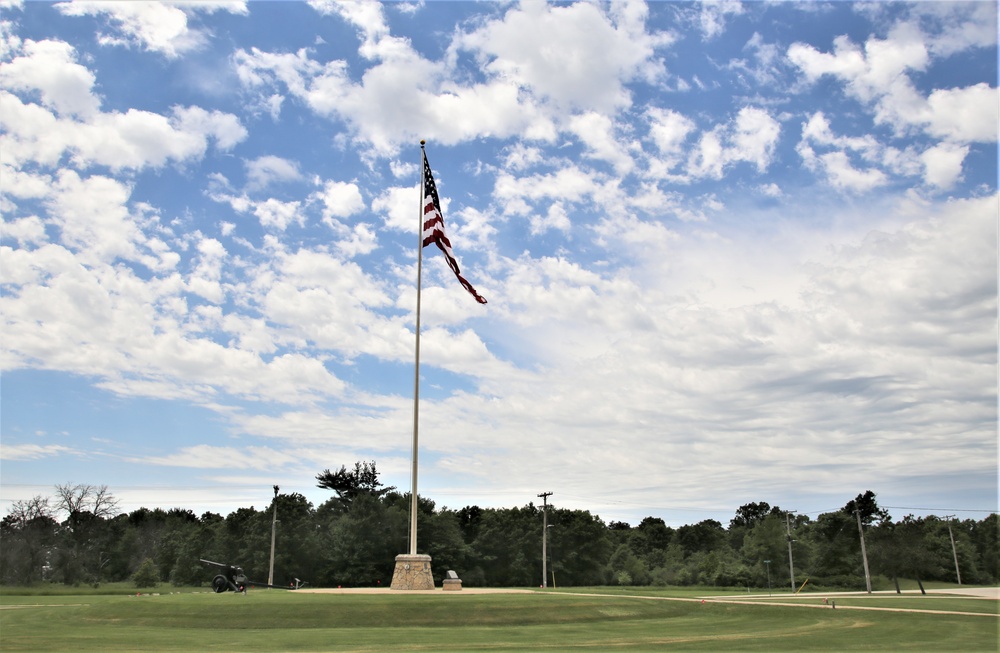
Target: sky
732 253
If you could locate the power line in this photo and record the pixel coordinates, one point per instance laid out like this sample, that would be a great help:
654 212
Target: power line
940 509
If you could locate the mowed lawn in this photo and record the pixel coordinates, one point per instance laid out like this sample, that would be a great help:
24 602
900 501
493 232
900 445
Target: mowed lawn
537 621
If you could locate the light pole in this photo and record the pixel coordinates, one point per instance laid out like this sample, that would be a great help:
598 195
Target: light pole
767 563
954 552
545 535
791 564
864 553
553 571
274 526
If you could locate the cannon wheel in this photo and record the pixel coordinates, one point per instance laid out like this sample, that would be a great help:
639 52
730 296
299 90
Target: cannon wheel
220 584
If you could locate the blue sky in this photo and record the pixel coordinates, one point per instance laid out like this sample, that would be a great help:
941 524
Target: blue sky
733 252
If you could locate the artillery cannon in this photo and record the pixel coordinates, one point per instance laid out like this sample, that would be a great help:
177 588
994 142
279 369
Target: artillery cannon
231 577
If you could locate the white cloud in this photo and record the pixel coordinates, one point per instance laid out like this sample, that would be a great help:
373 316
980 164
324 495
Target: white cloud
318 298
799 356
274 213
861 163
204 456
155 26
395 205
33 451
572 56
205 279
964 115
538 58
878 76
669 129
265 170
597 134
93 215
959 26
401 99
713 15
842 174
361 239
27 231
570 183
134 139
554 218
943 164
766 65
48 68
751 137
340 199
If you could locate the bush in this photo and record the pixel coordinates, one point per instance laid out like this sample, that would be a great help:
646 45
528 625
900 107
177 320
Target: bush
146 575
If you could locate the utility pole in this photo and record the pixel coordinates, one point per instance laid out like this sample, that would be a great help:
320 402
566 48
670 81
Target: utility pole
545 535
864 553
274 526
954 552
791 564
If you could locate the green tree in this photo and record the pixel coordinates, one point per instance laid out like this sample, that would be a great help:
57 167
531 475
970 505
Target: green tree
626 568
349 484
297 540
985 539
146 575
578 548
508 548
649 541
360 546
868 507
836 559
28 533
83 533
703 537
767 540
747 517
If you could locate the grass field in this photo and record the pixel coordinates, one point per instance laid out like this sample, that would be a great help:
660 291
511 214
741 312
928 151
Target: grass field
661 620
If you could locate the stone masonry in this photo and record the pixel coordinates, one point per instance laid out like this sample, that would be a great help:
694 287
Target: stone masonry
412 572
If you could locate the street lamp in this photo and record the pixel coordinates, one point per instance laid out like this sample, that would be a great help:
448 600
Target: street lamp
864 552
768 564
274 525
545 535
791 563
954 552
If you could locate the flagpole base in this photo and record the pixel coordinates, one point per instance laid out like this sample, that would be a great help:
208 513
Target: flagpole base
412 572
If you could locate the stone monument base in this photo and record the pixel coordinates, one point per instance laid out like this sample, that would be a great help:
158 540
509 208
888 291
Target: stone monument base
451 582
412 572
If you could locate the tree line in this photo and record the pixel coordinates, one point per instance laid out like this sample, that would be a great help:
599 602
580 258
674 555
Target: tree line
80 537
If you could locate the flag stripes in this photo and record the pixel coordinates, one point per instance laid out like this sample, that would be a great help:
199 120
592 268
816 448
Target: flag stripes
433 231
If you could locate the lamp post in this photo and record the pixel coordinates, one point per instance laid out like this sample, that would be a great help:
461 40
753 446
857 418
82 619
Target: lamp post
767 563
954 551
864 552
274 526
545 536
791 564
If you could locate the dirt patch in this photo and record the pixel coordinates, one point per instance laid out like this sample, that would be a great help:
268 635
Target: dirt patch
385 590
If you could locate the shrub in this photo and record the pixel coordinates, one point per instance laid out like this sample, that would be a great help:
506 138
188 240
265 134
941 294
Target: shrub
146 575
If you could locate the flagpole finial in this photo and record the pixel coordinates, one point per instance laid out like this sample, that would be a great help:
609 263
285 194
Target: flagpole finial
422 142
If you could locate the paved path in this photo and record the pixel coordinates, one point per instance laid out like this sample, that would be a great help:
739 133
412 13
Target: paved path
974 593
753 599
386 590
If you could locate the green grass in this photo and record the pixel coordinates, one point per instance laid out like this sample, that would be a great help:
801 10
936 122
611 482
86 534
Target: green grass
111 589
539 621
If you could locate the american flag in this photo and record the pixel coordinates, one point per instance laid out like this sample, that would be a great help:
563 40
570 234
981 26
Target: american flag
434 229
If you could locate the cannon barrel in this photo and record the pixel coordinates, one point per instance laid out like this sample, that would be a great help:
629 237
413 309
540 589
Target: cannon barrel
218 564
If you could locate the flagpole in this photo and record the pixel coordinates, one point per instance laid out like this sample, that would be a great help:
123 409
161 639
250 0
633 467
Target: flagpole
416 367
